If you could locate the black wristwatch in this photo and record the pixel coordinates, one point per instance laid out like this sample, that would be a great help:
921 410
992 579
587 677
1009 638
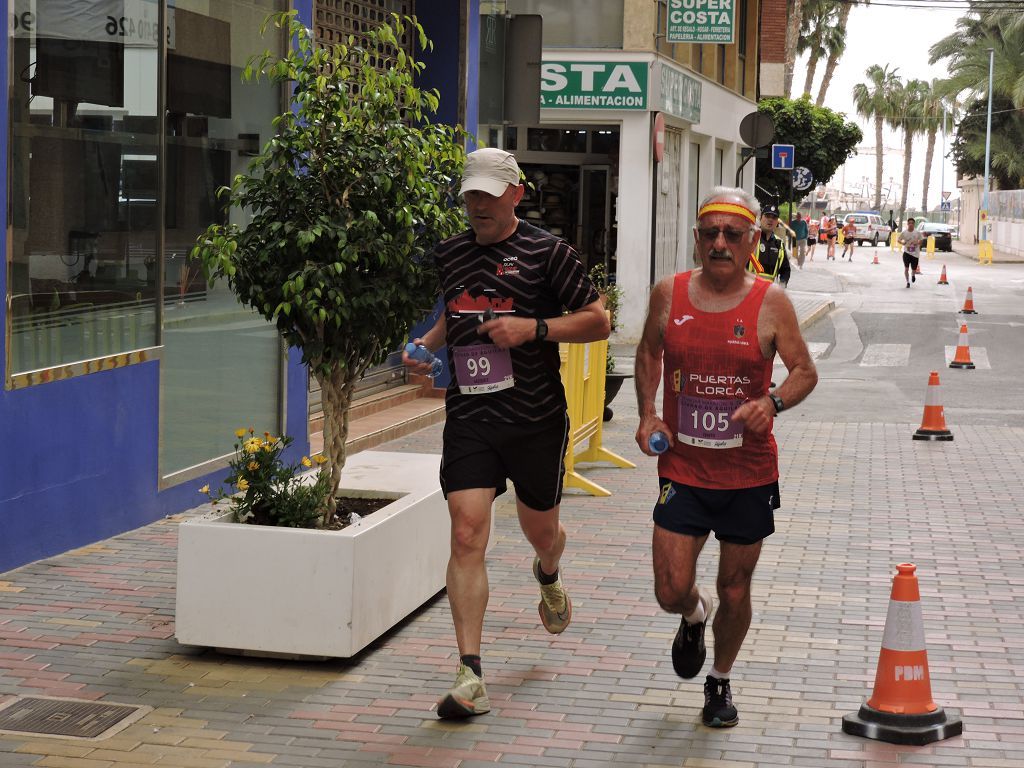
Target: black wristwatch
542 329
777 402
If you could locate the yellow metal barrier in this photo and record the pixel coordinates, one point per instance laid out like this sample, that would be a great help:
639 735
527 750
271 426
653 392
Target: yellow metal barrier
841 237
985 252
583 376
930 247
894 244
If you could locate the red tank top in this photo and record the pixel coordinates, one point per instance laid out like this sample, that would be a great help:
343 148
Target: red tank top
713 363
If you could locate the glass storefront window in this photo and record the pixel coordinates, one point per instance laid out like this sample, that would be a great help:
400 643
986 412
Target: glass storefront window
83 259
576 23
221 361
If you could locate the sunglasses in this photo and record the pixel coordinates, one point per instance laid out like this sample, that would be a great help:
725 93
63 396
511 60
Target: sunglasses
710 234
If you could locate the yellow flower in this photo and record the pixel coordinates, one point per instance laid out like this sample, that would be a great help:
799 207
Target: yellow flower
240 432
320 459
252 466
268 447
243 484
253 444
306 462
205 489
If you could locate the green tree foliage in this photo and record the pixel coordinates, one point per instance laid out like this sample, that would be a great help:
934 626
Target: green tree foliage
1006 163
822 140
966 51
344 205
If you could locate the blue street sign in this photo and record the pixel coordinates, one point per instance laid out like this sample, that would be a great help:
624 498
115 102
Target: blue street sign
782 157
802 178
946 205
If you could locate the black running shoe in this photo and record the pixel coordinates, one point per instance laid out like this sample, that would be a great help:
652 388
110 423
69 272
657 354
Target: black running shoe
913 278
718 710
688 649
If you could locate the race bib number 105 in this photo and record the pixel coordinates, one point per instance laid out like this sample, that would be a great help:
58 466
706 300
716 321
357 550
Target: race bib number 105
705 423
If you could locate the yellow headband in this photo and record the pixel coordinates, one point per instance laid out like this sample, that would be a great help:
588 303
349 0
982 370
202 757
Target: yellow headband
735 208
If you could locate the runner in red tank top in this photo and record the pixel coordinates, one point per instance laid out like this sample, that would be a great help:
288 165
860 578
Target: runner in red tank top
716 331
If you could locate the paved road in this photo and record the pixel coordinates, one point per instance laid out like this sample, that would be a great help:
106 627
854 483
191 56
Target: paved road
859 496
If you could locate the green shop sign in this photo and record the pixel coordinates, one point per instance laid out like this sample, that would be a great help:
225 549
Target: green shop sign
593 85
700 21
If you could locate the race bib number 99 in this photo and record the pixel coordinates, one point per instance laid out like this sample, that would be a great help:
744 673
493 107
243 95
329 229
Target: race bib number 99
482 368
705 423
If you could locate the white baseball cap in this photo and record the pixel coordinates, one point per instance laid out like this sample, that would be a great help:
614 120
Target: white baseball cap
490 170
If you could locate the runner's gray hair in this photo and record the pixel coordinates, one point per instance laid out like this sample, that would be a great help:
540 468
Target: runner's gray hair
748 199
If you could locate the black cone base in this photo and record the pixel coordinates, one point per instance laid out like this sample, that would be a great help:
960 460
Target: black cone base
969 366
933 434
916 730
968 312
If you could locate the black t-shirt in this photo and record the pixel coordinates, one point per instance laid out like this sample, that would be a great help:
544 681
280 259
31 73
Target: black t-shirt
530 274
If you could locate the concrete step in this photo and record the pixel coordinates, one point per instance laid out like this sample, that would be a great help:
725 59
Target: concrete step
395 420
381 401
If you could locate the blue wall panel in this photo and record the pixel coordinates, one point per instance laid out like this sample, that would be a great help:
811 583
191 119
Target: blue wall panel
80 461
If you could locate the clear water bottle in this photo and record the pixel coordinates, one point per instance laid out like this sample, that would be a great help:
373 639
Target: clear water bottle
658 442
424 355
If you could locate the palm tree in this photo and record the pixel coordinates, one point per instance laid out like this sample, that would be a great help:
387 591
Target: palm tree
833 57
933 105
873 100
820 35
906 114
796 14
967 52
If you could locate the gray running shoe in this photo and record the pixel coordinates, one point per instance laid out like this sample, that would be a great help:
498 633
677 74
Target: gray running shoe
555 607
688 649
468 697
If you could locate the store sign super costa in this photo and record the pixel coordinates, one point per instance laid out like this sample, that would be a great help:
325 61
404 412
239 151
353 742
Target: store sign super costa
700 21
593 85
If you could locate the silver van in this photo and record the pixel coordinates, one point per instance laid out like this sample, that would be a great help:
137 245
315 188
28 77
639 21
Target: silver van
870 228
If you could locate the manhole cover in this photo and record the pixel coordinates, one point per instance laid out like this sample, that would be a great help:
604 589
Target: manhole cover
66 717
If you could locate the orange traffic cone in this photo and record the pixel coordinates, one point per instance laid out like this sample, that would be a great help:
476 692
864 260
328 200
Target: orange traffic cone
962 358
942 277
933 423
968 303
901 710
876 261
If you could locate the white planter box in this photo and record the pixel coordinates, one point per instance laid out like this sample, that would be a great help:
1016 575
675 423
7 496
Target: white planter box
293 591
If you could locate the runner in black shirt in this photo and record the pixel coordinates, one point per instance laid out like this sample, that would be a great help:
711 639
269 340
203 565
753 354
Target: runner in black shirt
505 286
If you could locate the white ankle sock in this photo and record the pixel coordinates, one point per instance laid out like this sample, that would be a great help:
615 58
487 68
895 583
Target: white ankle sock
698 616
718 675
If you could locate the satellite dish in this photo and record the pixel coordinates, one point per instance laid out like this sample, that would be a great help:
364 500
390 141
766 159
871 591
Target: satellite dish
757 130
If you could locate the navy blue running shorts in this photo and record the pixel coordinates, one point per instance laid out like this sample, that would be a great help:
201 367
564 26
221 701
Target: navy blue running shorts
910 260
741 516
483 454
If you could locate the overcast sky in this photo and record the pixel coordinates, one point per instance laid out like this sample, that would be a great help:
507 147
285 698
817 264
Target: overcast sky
885 34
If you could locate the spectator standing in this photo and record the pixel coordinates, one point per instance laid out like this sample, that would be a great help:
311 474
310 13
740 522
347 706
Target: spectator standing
801 232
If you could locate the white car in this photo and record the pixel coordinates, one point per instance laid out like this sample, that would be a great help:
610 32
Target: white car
870 228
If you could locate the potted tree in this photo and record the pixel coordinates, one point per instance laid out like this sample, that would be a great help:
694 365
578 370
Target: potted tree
342 208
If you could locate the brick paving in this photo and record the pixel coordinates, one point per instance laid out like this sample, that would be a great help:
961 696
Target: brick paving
98 622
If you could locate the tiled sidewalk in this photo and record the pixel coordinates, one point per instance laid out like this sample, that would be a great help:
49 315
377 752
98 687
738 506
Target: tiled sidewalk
97 623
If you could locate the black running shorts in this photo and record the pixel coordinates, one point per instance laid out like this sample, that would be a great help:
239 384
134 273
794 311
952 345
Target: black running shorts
742 516
483 454
910 261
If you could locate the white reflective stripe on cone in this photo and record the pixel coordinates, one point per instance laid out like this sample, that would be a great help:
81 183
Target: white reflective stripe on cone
904 627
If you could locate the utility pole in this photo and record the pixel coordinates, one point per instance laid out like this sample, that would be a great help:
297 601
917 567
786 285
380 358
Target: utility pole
942 174
988 143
